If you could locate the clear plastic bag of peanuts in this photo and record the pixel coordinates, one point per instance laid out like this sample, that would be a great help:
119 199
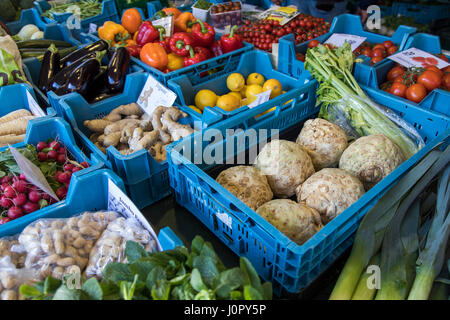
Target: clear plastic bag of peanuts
57 247
111 245
11 278
10 247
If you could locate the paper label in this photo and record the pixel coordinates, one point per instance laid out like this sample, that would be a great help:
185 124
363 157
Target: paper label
119 202
33 174
417 58
260 99
154 94
226 219
166 23
274 55
338 39
92 27
34 107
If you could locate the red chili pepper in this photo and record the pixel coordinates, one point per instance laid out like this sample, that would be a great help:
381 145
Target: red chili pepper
216 49
203 34
230 42
196 55
147 33
180 43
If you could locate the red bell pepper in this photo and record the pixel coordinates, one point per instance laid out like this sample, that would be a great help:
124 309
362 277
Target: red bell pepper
216 49
163 40
196 55
231 42
203 34
147 33
180 43
134 50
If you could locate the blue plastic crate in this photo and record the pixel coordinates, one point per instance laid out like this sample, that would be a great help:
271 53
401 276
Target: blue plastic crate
51 31
15 97
387 11
108 13
80 199
422 13
186 87
146 179
438 100
345 23
225 62
41 129
276 258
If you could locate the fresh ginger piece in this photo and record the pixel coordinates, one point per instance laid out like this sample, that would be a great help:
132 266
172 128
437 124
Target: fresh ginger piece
112 139
119 125
96 125
16 126
126 110
17 114
158 151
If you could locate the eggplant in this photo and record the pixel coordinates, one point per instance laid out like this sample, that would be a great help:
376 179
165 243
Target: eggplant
97 86
50 67
117 69
100 45
81 78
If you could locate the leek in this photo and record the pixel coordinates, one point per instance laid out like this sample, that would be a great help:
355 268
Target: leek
370 233
431 259
363 292
333 70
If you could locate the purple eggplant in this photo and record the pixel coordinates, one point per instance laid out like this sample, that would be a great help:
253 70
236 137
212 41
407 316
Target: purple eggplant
117 69
100 45
50 67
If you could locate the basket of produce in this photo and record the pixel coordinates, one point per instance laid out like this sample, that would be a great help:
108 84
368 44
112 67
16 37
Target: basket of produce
131 143
77 15
200 9
226 14
253 84
38 172
424 80
373 48
247 188
188 51
94 71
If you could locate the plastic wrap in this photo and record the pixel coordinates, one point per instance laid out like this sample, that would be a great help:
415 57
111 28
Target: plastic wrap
11 278
9 247
352 115
111 245
56 247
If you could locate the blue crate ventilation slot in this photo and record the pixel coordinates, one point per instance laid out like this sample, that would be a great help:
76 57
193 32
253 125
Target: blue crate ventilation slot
276 258
345 23
88 192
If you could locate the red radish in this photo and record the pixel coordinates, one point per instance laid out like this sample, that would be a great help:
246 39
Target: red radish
63 177
15 178
6 179
68 167
30 207
62 150
67 184
75 169
52 154
15 212
9 192
61 158
41 146
34 196
20 199
22 177
5 202
54 145
61 192
20 186
42 156
5 220
4 186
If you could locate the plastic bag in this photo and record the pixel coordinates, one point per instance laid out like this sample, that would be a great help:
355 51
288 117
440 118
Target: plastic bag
11 278
111 245
352 115
11 70
57 247
9 247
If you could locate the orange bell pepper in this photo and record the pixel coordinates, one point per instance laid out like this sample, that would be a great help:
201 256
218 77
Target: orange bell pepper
184 22
131 20
172 11
154 55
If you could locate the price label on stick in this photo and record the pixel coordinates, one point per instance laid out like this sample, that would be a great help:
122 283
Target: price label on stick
260 99
418 58
166 23
34 107
339 39
154 94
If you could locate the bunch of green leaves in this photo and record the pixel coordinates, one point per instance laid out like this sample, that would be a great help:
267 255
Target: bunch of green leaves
169 275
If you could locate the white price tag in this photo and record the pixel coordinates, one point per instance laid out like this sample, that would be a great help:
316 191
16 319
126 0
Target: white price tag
226 219
34 107
119 202
417 58
154 94
166 23
92 27
260 99
274 55
338 39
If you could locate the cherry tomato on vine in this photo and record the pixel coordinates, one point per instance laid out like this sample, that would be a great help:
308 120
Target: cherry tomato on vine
398 89
313 43
430 80
395 72
388 43
416 92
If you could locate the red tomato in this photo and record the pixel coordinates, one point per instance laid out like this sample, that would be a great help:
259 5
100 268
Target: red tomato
378 46
446 69
398 89
388 43
446 81
313 43
416 92
395 72
430 80
377 53
436 69
375 60
367 52
391 50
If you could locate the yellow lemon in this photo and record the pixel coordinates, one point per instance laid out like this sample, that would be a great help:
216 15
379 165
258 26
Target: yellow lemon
196 109
275 86
242 92
252 90
265 112
255 78
228 102
235 82
244 102
205 98
236 94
